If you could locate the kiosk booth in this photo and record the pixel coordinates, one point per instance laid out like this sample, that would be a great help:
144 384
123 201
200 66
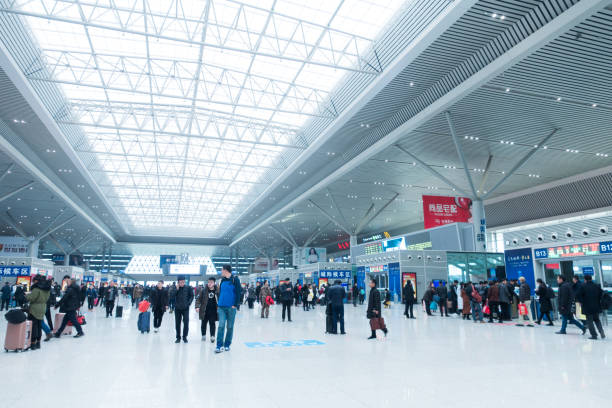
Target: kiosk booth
76 272
21 269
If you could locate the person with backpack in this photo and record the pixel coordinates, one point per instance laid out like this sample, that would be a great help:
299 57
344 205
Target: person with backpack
37 299
428 298
545 295
525 299
91 295
265 299
206 307
251 296
564 302
361 296
590 296
408 293
229 303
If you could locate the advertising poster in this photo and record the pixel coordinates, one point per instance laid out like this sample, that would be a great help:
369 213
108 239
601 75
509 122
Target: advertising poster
442 210
312 255
13 246
519 262
409 276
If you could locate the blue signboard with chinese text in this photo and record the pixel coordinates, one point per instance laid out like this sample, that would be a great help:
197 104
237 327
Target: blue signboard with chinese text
14 271
519 262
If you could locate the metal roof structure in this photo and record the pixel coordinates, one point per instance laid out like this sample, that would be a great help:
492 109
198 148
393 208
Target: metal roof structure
268 123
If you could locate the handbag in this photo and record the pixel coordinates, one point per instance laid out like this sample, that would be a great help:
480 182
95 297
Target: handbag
522 309
377 323
487 309
579 314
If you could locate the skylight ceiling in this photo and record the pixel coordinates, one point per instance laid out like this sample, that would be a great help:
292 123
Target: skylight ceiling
191 108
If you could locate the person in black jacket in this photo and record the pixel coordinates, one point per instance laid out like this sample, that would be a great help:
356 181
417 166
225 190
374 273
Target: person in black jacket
69 304
589 295
428 298
408 292
184 297
374 311
5 296
110 295
286 297
159 304
452 296
565 300
525 298
442 293
336 297
20 297
545 302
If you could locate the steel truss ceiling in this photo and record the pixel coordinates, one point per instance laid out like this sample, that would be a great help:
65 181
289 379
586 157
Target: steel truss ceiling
187 108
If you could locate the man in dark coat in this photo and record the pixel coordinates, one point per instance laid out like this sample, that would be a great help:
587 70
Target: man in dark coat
286 298
452 296
206 307
428 298
442 293
374 310
408 292
589 295
525 298
159 304
183 299
69 304
545 302
336 297
565 300
5 296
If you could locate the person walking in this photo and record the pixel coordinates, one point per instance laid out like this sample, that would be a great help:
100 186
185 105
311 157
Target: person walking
69 304
257 291
442 293
374 311
545 299
354 294
159 304
286 291
564 302
137 294
504 300
336 297
91 296
452 296
408 292
110 295
37 299
184 297
172 296
101 294
5 296
305 294
525 298
265 295
590 295
251 295
229 303
361 296
206 307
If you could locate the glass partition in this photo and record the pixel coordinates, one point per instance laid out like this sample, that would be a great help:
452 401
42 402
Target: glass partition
472 266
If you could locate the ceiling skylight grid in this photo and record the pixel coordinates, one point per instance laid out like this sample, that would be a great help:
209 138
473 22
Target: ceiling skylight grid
189 106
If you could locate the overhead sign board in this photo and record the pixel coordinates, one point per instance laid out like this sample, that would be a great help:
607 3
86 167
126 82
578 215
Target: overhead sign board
442 210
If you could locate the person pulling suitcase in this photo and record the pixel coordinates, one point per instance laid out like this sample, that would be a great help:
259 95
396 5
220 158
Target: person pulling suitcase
69 304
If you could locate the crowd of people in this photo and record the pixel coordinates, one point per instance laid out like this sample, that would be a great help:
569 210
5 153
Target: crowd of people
496 300
216 303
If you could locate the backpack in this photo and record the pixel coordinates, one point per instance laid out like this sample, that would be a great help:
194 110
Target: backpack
362 292
606 300
475 295
550 293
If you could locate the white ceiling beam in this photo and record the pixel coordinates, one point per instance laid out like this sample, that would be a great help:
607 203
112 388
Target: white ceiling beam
13 72
428 36
532 43
6 172
466 169
18 190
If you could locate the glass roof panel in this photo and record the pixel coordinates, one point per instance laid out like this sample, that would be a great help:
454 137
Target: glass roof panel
187 106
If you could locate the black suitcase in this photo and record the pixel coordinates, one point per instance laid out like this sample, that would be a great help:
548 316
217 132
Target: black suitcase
119 311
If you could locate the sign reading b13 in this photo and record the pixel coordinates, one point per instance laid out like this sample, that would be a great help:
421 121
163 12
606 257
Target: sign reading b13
605 247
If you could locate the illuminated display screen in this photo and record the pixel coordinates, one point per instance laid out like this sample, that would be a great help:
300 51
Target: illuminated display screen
395 244
374 248
377 268
569 251
420 246
179 269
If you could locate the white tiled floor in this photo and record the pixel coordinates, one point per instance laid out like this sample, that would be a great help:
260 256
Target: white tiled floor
443 361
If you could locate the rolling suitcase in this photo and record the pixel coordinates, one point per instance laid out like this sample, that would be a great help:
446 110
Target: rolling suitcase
119 311
58 322
18 336
144 322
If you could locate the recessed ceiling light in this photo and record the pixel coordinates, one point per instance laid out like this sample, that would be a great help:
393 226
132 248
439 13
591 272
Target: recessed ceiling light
507 89
559 99
594 105
494 15
502 17
411 83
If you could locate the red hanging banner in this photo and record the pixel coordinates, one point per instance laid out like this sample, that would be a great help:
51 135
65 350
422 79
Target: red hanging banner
442 210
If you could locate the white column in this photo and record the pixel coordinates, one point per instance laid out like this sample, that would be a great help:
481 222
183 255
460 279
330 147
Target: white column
33 248
480 226
353 243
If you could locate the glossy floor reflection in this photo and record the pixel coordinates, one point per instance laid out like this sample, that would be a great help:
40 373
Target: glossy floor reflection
442 361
